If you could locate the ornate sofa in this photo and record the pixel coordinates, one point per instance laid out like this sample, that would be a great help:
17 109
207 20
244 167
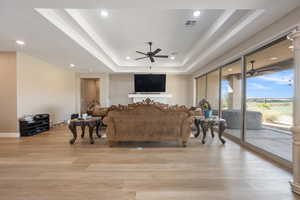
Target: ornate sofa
148 121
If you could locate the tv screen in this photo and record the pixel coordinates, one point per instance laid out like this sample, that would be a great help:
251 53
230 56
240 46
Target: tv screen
150 82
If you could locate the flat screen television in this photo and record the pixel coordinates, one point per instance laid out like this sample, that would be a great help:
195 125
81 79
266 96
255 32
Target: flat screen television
150 82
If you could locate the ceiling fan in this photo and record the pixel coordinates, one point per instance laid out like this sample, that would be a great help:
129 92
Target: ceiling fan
285 64
252 71
151 54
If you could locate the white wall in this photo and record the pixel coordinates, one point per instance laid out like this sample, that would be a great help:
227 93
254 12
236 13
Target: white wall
44 88
180 86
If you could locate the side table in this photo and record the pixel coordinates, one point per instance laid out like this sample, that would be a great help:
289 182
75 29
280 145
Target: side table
210 123
92 123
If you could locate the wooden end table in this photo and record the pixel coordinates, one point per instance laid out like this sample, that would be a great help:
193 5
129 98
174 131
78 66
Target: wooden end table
210 123
92 123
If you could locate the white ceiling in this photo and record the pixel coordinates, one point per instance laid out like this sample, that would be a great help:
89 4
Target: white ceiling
73 31
126 31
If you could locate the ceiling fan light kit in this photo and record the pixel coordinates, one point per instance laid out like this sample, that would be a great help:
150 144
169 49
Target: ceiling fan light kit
151 54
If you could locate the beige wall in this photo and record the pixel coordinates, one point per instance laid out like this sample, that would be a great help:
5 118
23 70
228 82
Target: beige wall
180 86
119 87
8 93
44 88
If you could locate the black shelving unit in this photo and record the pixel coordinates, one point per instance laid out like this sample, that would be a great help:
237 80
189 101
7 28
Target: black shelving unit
39 124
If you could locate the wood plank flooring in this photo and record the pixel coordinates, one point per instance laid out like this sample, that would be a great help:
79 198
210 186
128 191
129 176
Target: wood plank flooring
47 167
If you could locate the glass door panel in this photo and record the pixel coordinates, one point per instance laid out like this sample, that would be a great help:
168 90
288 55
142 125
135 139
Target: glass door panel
231 96
269 98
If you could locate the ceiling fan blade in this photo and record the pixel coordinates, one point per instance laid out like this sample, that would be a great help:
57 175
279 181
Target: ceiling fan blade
141 53
156 51
141 58
161 56
152 59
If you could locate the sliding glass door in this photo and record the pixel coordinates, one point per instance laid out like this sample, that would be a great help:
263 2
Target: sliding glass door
257 105
231 97
269 92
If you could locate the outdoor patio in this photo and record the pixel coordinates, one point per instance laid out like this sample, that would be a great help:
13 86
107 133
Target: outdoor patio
275 141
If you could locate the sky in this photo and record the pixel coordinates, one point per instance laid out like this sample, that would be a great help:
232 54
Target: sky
275 85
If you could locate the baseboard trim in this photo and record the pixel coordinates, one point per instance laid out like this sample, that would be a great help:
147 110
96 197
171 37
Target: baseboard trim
295 187
9 135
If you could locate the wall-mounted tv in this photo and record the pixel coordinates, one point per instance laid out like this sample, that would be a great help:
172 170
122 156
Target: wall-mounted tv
150 82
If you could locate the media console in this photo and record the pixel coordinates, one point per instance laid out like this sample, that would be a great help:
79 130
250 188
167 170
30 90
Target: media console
40 123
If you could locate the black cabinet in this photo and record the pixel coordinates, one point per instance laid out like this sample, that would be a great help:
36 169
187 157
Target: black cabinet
39 124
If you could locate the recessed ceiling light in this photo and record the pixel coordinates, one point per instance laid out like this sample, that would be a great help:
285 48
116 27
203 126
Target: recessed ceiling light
72 65
196 13
104 13
20 42
273 58
127 57
291 47
230 69
172 57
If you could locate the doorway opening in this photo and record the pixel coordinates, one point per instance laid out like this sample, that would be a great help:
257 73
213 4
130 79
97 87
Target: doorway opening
89 93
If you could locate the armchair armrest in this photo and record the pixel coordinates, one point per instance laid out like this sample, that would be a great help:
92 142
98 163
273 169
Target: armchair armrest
187 127
110 131
107 120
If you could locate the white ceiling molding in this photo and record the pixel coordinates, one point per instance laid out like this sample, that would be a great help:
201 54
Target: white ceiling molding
56 33
76 15
90 30
56 19
210 33
248 19
102 52
140 4
152 70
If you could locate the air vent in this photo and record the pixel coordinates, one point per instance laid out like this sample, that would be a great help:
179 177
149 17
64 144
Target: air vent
190 23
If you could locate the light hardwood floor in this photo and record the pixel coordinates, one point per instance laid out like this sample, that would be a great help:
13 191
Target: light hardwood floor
47 167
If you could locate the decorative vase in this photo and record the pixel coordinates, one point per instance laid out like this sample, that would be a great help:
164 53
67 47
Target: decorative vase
207 114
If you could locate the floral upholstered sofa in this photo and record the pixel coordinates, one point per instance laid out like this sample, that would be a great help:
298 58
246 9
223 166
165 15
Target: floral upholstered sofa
148 121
